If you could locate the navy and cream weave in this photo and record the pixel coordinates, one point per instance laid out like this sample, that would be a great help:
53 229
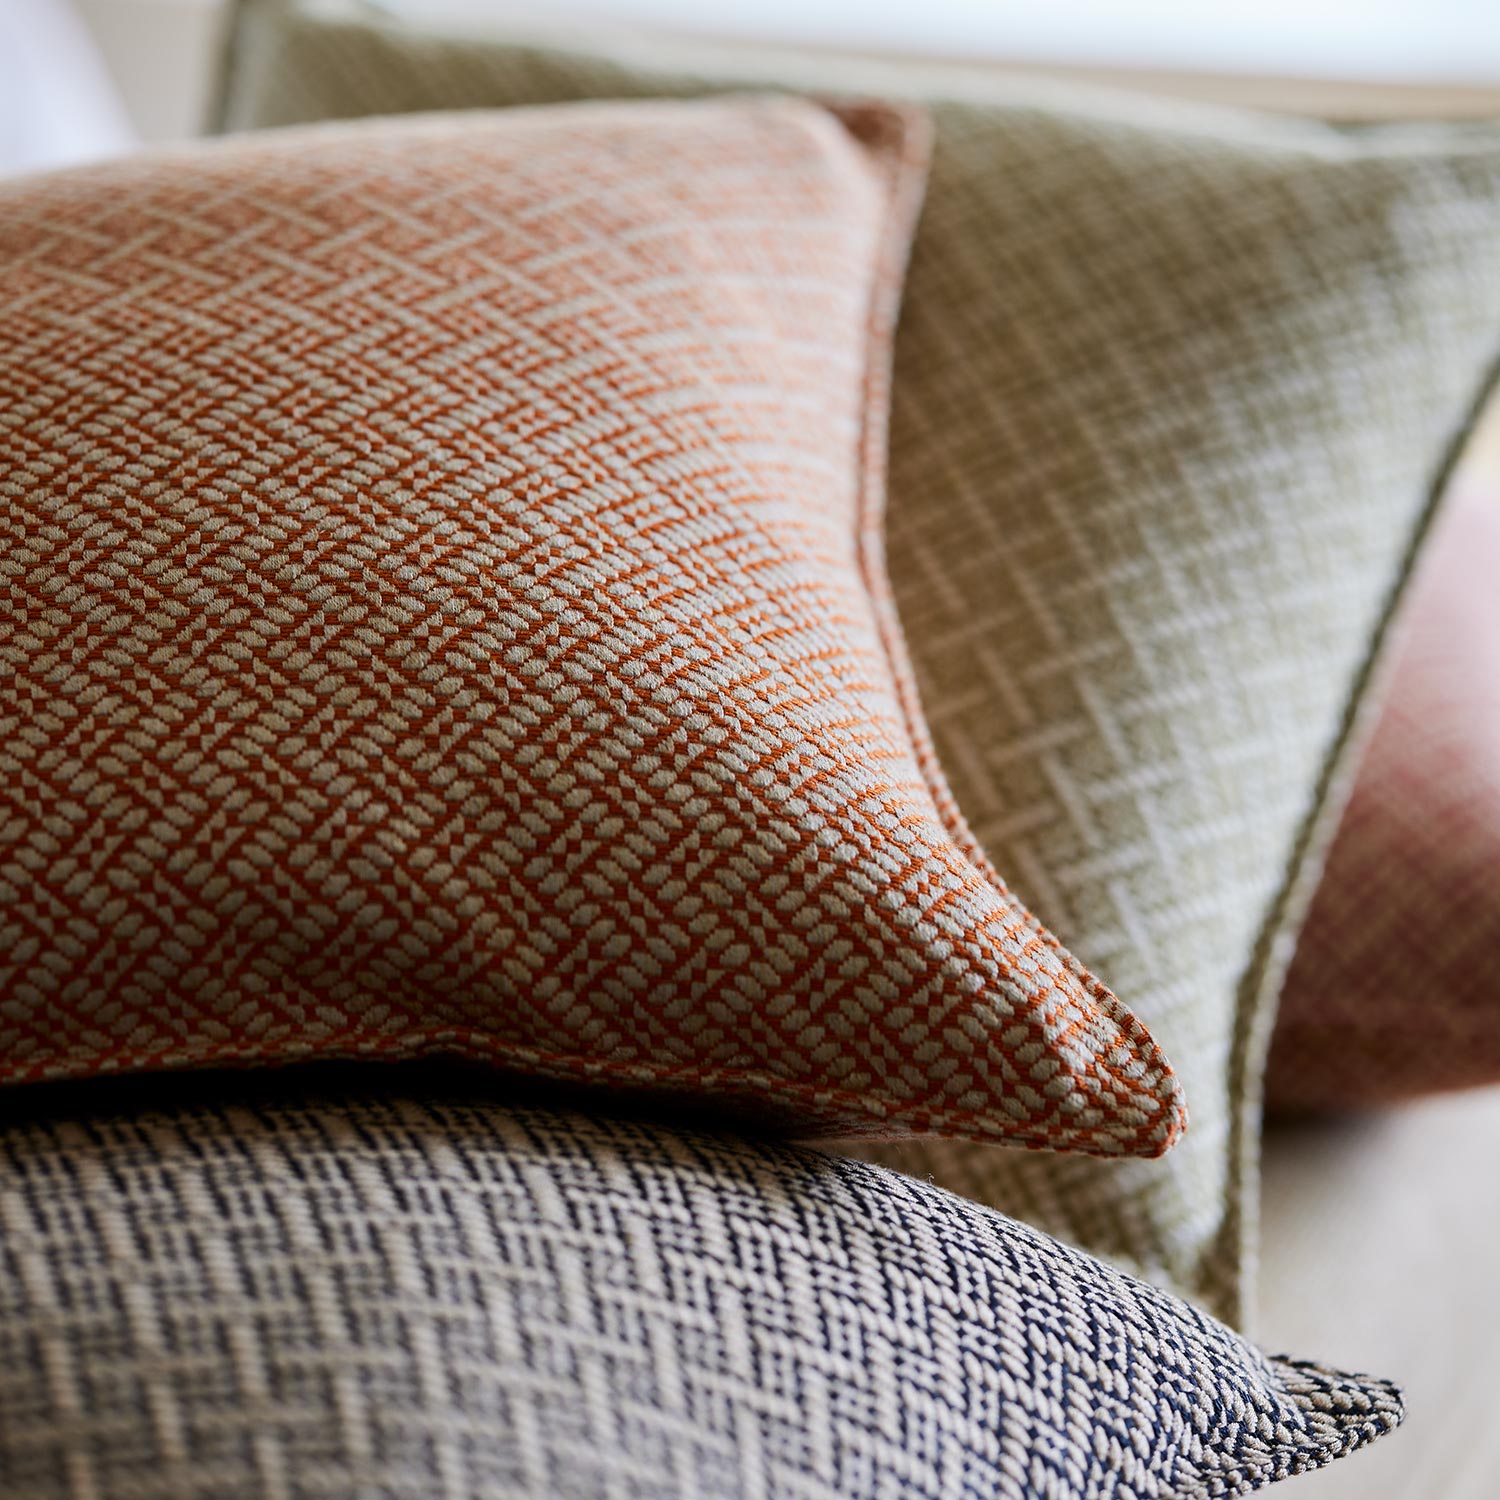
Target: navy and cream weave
367 1299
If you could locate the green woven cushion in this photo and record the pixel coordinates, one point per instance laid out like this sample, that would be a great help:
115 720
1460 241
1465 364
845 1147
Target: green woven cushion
1174 391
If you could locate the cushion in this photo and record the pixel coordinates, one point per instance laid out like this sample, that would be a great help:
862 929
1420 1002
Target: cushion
449 618
427 1294
1174 390
1394 990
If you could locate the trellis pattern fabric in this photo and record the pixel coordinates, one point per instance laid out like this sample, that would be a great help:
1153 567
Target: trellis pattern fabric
1394 990
450 1300
1174 391
446 614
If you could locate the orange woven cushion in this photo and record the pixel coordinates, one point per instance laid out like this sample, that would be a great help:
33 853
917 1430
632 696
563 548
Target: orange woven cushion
1394 990
445 614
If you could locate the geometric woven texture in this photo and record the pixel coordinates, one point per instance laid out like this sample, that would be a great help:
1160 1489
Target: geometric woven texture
1394 990
1172 390
343 1299
446 613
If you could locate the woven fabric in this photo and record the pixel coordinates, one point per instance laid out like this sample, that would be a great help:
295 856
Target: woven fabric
1173 390
1394 990
446 615
459 1301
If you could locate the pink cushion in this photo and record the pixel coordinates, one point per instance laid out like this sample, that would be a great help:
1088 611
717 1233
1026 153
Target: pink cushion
1395 987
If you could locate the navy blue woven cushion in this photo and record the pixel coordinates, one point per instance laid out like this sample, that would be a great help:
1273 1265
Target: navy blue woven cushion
367 1299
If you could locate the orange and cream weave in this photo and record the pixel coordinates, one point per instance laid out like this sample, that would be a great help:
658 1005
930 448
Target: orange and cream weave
443 614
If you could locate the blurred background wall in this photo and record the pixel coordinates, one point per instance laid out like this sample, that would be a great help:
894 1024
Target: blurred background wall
160 53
